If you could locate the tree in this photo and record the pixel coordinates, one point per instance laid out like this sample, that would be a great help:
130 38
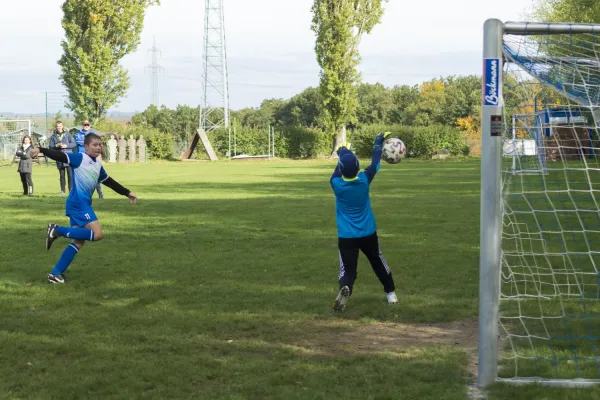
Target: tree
402 97
339 26
146 117
577 11
98 33
462 99
427 109
471 127
260 117
375 104
302 110
186 121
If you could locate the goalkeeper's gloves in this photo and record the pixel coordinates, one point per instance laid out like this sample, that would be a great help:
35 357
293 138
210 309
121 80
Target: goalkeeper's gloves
380 138
341 146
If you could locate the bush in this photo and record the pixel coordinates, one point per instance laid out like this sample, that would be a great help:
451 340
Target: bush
434 139
420 141
362 137
303 142
160 145
290 142
244 139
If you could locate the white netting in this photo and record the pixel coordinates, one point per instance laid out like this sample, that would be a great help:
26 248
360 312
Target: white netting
550 285
11 135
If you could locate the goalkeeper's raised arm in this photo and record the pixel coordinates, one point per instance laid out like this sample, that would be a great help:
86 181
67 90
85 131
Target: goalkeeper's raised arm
372 169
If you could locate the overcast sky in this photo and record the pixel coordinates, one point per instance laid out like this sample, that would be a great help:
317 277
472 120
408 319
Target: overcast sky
270 48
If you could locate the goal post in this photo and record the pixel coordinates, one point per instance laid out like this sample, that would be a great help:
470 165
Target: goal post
539 270
11 135
491 221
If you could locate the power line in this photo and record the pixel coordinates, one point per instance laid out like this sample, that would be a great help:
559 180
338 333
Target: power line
230 82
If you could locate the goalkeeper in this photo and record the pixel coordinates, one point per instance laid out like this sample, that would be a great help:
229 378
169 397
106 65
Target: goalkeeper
355 222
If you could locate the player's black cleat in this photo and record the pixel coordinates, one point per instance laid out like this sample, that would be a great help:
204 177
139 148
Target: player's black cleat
51 236
341 300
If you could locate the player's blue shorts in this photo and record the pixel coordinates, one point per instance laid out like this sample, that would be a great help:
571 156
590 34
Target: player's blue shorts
82 219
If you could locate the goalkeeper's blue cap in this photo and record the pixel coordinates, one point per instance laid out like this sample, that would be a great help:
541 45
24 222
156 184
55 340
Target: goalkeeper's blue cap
349 165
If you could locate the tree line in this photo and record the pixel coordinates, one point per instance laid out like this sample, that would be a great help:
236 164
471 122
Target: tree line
445 105
98 35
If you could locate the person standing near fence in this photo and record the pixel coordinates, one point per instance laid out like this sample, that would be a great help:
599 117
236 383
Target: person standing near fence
63 141
79 139
25 165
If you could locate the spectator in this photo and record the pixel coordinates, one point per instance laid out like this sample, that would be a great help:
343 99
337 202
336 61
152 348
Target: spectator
63 141
25 165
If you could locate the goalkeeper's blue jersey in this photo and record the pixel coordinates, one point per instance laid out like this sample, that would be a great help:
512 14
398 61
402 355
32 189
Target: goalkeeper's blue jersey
354 216
87 172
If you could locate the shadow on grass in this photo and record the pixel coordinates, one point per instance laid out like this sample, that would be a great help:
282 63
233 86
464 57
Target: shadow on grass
114 361
171 340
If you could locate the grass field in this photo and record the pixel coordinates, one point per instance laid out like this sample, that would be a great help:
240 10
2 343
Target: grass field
219 285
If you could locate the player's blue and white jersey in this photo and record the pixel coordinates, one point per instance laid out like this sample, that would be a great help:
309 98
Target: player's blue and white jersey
354 216
87 172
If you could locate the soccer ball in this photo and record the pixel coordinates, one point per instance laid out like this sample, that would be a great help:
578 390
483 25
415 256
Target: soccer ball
394 150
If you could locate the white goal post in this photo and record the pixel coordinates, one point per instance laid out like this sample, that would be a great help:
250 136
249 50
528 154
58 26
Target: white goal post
539 271
11 135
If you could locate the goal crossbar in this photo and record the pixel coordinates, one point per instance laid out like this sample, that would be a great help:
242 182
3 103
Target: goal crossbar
551 28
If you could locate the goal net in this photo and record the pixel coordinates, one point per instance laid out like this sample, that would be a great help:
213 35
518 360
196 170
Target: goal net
11 135
540 211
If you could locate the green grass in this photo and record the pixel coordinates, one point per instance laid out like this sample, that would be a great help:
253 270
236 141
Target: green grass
219 285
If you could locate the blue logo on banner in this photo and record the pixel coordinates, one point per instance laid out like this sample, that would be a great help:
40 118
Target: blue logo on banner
491 88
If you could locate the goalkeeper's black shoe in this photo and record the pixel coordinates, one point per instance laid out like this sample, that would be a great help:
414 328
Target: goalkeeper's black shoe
51 236
342 299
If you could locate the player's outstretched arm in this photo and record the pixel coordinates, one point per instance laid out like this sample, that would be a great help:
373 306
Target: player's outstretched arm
117 187
372 169
55 155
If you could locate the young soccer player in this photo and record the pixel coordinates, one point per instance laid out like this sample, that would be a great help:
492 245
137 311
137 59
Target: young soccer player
356 224
79 140
87 172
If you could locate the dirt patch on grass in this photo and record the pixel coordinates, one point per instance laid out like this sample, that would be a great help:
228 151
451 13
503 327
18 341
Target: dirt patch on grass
353 338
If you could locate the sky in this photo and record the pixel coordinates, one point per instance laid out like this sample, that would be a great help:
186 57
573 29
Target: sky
270 49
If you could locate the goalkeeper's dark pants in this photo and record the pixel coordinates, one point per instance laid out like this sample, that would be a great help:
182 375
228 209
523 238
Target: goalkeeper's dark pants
369 245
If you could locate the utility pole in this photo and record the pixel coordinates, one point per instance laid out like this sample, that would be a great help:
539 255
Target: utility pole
155 70
214 108
214 103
